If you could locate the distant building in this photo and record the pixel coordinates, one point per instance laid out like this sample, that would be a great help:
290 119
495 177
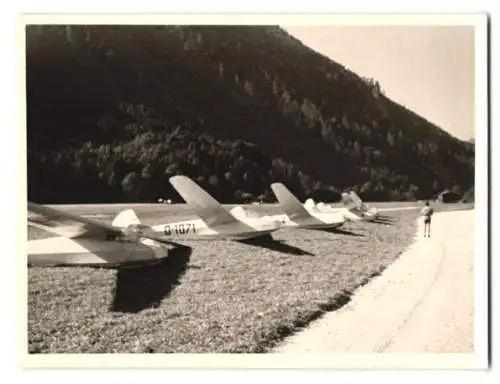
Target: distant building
448 196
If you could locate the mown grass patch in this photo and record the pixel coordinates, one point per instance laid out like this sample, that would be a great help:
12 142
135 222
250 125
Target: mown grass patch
210 296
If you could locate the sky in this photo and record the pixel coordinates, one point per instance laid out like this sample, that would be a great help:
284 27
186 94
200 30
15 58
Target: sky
428 69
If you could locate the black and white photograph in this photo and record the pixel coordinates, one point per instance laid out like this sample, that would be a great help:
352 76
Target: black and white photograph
260 187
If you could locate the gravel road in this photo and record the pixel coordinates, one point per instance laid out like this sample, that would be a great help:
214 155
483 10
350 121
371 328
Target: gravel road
424 302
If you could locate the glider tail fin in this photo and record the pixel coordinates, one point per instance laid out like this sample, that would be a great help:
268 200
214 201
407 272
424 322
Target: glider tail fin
349 202
291 205
362 207
359 203
346 199
356 198
207 208
353 203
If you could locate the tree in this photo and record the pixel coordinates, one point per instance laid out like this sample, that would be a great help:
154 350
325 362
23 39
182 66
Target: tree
365 190
356 150
435 186
275 87
248 88
390 139
130 184
413 193
306 181
457 189
213 181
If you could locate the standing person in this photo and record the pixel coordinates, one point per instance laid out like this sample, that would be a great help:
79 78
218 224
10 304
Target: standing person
427 212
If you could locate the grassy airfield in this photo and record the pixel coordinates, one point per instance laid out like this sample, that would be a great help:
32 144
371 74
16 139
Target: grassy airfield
216 296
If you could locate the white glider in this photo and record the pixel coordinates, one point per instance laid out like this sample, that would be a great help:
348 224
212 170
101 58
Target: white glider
215 222
364 210
308 216
355 206
83 241
354 202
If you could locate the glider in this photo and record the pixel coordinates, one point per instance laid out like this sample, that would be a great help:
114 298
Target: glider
308 216
84 241
355 206
215 221
368 213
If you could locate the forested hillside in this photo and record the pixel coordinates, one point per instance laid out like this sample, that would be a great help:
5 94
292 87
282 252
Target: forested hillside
114 111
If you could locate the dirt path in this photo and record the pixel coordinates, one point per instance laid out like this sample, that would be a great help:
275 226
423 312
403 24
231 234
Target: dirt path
424 302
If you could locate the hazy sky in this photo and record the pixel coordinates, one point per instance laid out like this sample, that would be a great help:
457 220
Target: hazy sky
430 70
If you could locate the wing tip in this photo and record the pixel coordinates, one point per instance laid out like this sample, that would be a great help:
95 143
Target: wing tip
180 178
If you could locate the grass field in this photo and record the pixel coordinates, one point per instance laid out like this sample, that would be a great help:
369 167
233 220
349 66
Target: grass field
210 296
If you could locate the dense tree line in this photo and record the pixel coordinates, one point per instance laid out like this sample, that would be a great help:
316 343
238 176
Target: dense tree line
114 111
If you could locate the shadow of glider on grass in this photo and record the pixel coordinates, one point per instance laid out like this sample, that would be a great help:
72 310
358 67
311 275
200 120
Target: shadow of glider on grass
84 241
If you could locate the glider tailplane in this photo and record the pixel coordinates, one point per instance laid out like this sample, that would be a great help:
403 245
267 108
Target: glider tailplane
310 204
207 208
290 204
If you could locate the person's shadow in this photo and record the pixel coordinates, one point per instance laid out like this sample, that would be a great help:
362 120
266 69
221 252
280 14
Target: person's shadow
146 286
